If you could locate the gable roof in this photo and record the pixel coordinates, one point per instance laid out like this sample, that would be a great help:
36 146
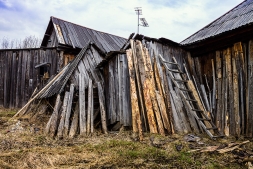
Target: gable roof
240 16
74 35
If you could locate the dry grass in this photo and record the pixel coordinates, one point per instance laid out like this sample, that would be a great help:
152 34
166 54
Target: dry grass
27 149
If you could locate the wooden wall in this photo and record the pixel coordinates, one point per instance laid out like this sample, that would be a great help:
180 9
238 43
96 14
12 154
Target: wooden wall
229 86
117 90
18 77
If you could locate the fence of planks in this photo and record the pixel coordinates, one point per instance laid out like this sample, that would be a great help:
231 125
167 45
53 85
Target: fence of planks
224 78
18 76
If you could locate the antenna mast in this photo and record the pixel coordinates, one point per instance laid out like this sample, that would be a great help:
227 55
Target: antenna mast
144 23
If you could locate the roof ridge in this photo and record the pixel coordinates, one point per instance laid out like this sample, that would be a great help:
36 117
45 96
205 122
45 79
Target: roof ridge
212 22
86 27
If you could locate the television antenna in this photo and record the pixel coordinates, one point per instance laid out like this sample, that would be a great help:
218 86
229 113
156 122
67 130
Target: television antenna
144 23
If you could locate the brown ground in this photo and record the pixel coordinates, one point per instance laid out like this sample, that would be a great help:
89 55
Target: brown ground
23 147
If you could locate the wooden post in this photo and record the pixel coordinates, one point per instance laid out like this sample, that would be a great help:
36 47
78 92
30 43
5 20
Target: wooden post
102 107
63 115
82 113
68 112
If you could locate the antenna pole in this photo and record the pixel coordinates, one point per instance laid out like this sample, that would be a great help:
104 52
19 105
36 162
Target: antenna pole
138 22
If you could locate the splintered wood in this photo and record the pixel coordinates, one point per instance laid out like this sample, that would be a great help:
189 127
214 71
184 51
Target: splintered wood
154 100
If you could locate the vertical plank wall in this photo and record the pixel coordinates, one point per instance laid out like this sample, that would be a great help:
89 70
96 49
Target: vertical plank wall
18 77
231 86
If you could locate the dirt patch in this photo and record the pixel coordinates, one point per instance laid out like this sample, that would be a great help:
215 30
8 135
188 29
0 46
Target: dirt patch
22 146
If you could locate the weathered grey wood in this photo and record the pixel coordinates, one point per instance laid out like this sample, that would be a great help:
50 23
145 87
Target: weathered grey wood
90 107
205 99
74 124
82 112
68 112
168 101
102 108
63 115
213 106
53 122
160 99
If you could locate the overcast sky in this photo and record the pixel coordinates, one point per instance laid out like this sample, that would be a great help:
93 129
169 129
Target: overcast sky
172 19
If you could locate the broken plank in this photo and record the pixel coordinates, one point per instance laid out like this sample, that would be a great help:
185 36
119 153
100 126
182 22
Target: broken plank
74 123
63 115
68 112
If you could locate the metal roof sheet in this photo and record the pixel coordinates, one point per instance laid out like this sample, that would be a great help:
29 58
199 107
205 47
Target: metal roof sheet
237 17
78 36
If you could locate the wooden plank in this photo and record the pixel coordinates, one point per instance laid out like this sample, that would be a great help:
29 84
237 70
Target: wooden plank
23 87
242 86
219 91
168 101
152 89
236 100
224 94
136 119
74 125
1 78
18 84
161 98
82 112
90 107
54 119
138 80
250 90
197 98
68 112
63 115
102 108
231 120
213 106
146 83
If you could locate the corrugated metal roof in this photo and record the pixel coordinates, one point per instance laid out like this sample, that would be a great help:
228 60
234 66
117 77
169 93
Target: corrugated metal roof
78 36
239 16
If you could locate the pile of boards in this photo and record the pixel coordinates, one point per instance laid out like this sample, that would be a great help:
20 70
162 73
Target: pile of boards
156 103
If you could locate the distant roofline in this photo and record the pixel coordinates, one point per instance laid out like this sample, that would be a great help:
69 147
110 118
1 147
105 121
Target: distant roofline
87 27
207 26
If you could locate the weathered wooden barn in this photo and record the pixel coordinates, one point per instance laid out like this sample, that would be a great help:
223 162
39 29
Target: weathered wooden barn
28 68
222 54
203 84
